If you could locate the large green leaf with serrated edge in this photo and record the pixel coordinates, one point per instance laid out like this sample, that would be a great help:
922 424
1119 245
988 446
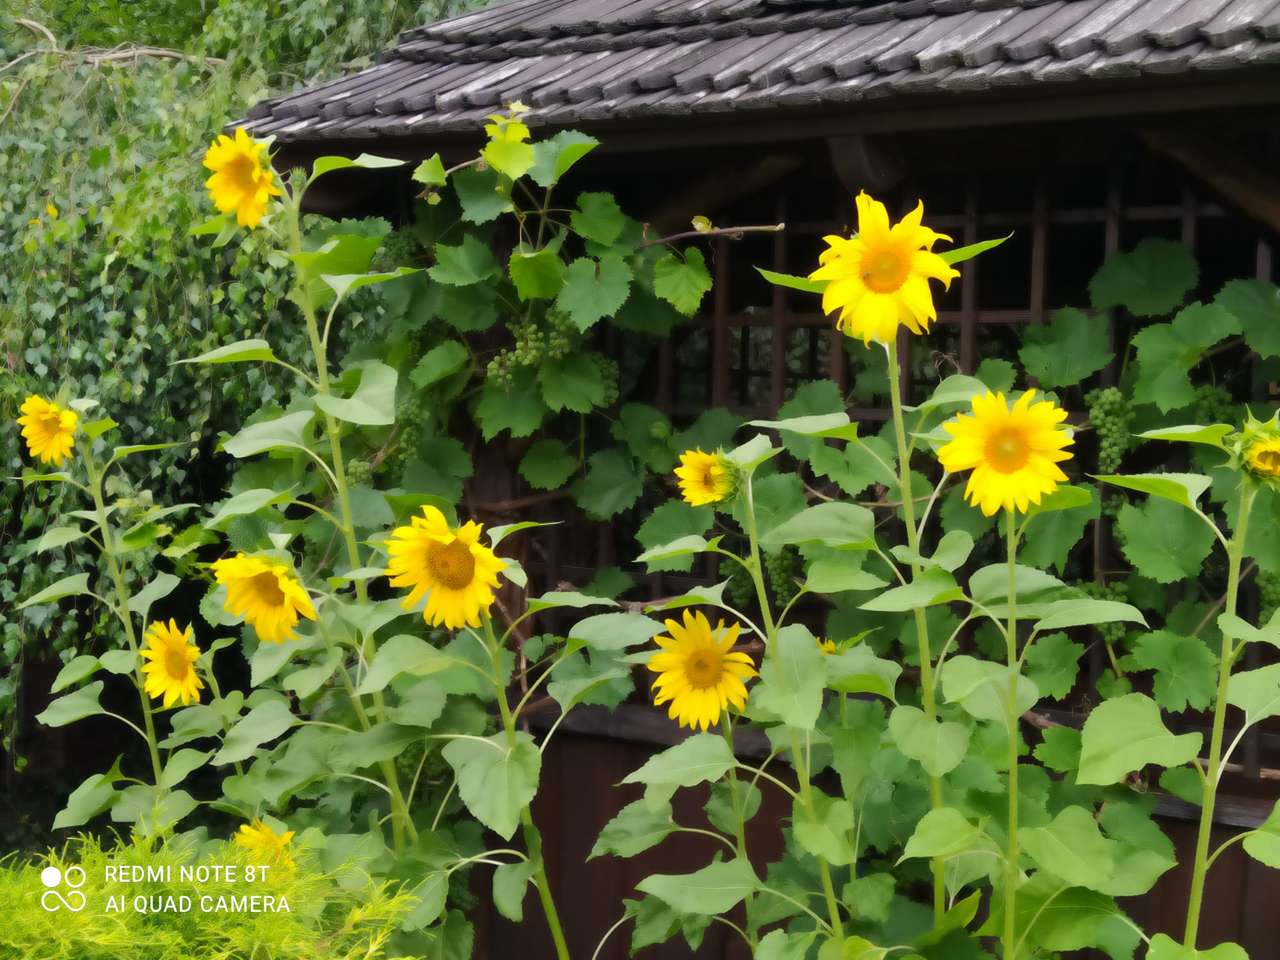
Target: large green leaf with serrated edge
792 678
1065 351
1051 534
1125 734
713 890
669 522
635 829
1256 304
1148 281
611 484
547 464
937 745
517 407
572 382
463 264
702 757
598 218
556 155
1163 541
1164 947
682 281
1071 847
497 778
1167 352
372 404
1186 670
537 274
482 193
1264 844
594 289
1053 664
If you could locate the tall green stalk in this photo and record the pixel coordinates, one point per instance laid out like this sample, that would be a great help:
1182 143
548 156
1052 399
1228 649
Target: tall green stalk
1211 773
122 605
402 825
798 757
532 838
928 692
1011 873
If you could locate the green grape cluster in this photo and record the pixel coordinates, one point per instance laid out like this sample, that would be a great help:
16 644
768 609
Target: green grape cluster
359 472
409 420
1111 416
561 336
781 570
1117 590
529 347
609 375
1269 588
1213 404
740 589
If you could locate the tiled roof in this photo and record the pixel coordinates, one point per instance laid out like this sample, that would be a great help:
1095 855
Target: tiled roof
577 61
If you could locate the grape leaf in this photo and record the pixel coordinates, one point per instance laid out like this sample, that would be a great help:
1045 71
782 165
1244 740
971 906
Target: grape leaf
1148 281
1164 541
1068 349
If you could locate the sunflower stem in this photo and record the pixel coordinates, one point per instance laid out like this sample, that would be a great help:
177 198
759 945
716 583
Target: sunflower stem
532 838
928 694
739 819
122 604
401 820
1008 941
1213 772
771 650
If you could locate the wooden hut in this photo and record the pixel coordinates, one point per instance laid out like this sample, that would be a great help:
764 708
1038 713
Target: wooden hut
1080 125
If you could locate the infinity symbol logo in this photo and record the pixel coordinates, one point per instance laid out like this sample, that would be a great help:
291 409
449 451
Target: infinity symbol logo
52 877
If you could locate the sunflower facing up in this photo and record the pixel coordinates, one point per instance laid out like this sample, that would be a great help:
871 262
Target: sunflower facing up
266 594
264 843
704 477
457 573
48 428
1014 452
880 277
699 672
242 179
170 667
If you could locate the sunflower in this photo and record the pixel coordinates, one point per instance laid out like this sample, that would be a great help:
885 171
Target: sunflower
170 668
826 646
1014 452
265 593
699 672
258 838
1263 458
457 573
704 477
48 429
242 179
880 277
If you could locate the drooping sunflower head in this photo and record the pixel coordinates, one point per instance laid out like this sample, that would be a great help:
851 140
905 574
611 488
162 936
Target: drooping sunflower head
266 594
1013 452
264 843
699 672
242 180
457 573
48 428
1263 458
705 477
170 667
880 277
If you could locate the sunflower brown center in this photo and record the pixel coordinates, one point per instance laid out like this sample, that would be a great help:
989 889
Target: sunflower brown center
451 564
884 269
243 171
1007 451
268 589
704 668
176 664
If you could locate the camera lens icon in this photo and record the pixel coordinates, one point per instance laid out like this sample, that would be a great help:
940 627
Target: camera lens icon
53 898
